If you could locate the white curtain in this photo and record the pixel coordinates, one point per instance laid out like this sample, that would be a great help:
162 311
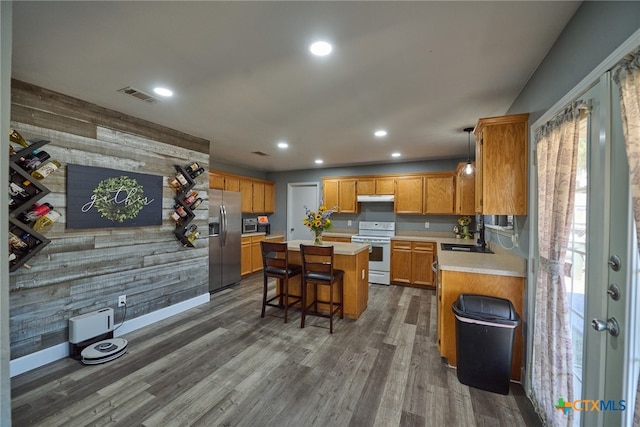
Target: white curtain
627 75
552 374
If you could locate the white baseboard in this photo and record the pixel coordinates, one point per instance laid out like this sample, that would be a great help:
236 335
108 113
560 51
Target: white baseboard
60 351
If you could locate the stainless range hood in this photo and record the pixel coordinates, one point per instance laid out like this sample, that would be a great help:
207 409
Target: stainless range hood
375 198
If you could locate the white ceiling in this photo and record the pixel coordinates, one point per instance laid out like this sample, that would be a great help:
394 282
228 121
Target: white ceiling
243 78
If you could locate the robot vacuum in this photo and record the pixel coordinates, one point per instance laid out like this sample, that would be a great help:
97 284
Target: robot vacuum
104 351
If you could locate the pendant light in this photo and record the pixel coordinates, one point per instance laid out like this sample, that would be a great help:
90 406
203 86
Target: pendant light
468 169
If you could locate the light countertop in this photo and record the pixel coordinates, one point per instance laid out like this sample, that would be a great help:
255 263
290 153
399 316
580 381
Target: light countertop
500 263
339 248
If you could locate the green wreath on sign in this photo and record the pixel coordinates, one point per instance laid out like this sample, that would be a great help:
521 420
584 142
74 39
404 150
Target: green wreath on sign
119 198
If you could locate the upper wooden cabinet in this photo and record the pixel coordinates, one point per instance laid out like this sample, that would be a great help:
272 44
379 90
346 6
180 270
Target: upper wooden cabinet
465 192
258 196
408 195
340 193
375 186
439 194
269 198
501 165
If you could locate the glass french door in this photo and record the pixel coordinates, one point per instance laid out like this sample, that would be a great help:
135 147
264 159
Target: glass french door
601 268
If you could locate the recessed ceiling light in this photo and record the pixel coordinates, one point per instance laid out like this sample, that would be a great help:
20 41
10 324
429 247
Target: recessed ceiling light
319 161
163 91
282 144
380 133
396 154
320 48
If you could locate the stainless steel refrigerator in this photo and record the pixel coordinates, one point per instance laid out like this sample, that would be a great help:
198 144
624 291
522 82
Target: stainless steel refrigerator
225 223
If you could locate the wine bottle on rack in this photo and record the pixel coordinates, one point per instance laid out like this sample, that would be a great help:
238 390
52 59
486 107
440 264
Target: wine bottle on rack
196 172
17 243
193 236
195 203
32 161
46 221
192 167
45 170
14 136
35 212
191 197
18 192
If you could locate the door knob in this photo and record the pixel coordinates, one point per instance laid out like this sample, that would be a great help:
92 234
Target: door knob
611 326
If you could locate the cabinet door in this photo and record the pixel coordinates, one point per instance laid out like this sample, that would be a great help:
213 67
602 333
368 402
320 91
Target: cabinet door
245 256
385 185
269 198
408 195
401 262
246 188
347 196
330 193
366 186
422 256
216 181
465 194
256 253
439 194
231 183
504 183
258 197
479 168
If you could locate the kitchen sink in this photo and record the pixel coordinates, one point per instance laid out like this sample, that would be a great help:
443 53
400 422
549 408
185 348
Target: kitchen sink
461 247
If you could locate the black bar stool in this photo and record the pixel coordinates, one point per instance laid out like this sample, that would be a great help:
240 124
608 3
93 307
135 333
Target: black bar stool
317 268
275 262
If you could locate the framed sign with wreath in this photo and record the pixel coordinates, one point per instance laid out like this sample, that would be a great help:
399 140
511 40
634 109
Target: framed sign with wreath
102 198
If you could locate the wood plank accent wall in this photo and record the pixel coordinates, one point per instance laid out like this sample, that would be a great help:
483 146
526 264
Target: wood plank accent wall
86 270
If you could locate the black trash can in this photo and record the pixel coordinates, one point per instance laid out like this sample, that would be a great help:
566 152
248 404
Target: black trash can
485 331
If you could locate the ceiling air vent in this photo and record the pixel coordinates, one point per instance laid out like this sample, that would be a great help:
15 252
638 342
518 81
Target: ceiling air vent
136 93
260 153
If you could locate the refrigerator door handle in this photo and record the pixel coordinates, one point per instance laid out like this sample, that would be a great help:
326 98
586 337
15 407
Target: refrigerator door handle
222 225
223 210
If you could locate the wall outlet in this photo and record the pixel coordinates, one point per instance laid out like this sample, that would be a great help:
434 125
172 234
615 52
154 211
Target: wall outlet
122 300
514 240
426 224
348 223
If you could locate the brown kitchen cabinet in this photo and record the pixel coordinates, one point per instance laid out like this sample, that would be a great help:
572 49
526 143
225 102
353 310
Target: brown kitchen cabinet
256 253
375 186
439 194
245 256
258 197
408 195
454 283
465 192
251 254
411 263
501 165
269 198
341 193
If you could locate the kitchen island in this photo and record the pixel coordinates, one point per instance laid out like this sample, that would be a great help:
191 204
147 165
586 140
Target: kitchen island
353 258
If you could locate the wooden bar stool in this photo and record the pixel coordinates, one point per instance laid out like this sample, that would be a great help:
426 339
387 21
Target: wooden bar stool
275 262
317 268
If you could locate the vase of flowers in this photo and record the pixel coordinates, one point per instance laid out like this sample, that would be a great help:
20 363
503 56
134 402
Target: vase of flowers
318 222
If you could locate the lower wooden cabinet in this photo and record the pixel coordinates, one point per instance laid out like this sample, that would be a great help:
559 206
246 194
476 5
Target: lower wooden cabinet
250 254
411 263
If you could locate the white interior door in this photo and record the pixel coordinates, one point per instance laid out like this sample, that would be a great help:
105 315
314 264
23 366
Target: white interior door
299 196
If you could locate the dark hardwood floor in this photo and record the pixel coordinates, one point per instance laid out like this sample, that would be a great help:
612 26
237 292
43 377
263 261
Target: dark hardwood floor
220 364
